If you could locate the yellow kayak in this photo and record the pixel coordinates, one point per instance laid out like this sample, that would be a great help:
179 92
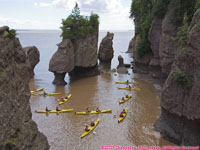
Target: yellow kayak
54 111
102 111
38 90
65 99
91 128
48 94
125 82
124 115
131 89
126 99
94 112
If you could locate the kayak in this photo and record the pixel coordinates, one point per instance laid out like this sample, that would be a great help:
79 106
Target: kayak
102 111
65 99
91 128
124 115
48 94
126 99
94 112
125 82
38 90
54 111
132 89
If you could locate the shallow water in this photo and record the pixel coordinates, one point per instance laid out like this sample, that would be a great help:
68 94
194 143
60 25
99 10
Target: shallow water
64 130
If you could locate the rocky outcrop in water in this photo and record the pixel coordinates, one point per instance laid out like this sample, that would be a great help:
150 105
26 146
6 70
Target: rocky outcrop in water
18 131
85 51
77 57
131 45
106 48
62 61
33 57
180 100
121 67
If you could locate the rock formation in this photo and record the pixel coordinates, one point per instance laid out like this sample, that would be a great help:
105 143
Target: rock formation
62 61
18 130
33 57
77 57
180 100
131 45
121 67
160 36
106 48
85 51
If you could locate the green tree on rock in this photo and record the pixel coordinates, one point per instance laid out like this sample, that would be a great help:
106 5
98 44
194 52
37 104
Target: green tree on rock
77 26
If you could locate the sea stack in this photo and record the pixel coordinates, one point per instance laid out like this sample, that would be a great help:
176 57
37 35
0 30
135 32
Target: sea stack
106 51
62 61
33 58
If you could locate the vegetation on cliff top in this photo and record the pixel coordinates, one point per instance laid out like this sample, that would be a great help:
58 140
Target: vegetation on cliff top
10 34
77 26
143 11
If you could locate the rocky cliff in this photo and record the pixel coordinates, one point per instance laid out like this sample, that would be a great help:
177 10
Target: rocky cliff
167 46
17 129
78 57
180 100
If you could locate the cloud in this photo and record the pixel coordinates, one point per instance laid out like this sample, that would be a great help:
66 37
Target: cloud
27 24
98 6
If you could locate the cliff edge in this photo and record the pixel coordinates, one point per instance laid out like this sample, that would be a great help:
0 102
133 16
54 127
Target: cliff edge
17 129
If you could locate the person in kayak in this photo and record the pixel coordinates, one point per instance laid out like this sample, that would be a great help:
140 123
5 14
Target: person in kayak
87 110
57 109
87 129
127 81
44 93
123 111
121 115
47 109
97 110
123 98
62 100
92 123
126 96
129 87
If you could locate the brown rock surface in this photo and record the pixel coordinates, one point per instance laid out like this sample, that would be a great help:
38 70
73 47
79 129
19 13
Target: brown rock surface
180 99
33 57
106 48
62 61
167 45
131 45
121 67
17 129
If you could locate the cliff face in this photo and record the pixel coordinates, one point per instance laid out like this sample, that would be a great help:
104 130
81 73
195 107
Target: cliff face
18 131
174 41
180 100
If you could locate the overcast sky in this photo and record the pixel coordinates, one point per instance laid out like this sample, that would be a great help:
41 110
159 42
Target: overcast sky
47 14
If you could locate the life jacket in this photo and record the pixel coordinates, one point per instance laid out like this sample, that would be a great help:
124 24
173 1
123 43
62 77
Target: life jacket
126 96
92 123
86 129
121 115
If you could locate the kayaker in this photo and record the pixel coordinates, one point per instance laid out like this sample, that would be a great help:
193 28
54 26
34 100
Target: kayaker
127 81
121 115
97 110
87 110
47 109
123 98
129 87
92 123
44 93
126 96
87 129
62 100
57 109
123 111
66 97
